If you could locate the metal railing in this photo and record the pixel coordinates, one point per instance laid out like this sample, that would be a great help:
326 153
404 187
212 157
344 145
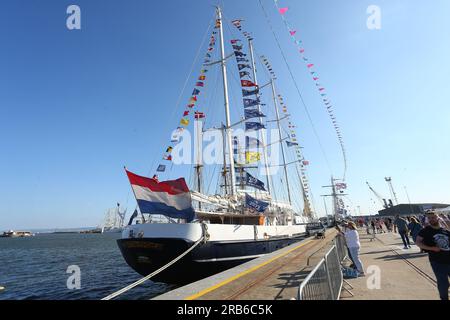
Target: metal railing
325 281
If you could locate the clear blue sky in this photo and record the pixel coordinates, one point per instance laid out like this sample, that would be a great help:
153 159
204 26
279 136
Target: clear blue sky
75 106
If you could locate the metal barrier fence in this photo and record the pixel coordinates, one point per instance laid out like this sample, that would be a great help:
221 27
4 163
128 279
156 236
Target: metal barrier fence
325 281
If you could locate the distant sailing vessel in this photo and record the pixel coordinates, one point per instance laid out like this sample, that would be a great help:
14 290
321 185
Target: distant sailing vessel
246 218
114 220
16 234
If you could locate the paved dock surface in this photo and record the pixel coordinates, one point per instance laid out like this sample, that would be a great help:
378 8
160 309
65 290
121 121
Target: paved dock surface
275 276
405 274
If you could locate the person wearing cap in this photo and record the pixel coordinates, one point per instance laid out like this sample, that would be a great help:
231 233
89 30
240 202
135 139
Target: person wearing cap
352 240
436 241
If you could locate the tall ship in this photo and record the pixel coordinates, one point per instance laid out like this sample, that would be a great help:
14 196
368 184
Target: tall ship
247 194
114 221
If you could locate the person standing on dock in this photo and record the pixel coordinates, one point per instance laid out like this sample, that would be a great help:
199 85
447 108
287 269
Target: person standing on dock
352 240
436 241
414 227
402 227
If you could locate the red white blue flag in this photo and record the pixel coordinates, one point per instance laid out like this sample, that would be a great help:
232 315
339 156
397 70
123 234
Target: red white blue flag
169 198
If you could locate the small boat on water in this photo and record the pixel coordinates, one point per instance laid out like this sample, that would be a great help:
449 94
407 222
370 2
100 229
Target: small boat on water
16 234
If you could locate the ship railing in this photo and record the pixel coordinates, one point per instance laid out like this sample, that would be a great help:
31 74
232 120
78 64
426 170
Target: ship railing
326 281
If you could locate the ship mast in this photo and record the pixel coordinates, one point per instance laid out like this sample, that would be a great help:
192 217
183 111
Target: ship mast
227 108
263 131
281 141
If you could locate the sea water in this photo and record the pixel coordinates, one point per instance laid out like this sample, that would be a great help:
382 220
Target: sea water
37 268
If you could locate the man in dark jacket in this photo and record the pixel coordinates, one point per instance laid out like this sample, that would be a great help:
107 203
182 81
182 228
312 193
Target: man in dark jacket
436 241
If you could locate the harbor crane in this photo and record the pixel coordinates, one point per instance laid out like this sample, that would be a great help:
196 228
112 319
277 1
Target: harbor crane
380 198
391 188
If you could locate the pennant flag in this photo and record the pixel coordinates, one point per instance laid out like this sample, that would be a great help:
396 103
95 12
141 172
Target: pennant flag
251 102
235 41
184 122
254 204
283 10
305 162
253 113
239 54
310 65
169 198
244 73
199 84
236 22
161 168
169 158
247 83
254 126
204 71
291 144
169 149
321 89
217 24
243 66
191 105
236 47
302 50
246 93
199 115
251 143
251 157
315 78
202 78
293 32
195 92
186 113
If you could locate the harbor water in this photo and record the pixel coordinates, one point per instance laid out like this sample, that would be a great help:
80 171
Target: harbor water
36 268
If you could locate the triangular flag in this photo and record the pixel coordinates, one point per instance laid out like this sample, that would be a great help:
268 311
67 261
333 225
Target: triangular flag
283 10
293 32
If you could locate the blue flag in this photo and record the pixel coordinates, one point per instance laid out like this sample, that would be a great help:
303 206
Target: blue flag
254 126
255 204
251 102
253 113
195 92
253 182
161 168
291 144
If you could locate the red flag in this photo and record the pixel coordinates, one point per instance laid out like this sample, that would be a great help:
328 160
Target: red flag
310 65
234 41
247 83
199 115
315 78
302 50
191 105
186 113
283 10
293 32
321 89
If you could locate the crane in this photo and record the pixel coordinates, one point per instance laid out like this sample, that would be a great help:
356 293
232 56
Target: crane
391 188
380 198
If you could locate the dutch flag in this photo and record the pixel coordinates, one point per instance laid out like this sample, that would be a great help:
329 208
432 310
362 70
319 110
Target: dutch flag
169 198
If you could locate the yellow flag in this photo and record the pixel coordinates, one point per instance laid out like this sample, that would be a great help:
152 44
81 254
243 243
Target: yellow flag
184 122
251 157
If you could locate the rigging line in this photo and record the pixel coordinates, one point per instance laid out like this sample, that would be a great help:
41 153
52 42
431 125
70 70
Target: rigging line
296 86
341 142
177 105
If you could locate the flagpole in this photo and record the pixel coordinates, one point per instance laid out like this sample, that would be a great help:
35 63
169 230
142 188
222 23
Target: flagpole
263 131
142 215
282 148
227 109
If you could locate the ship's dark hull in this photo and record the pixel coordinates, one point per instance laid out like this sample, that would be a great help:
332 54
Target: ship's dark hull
147 255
